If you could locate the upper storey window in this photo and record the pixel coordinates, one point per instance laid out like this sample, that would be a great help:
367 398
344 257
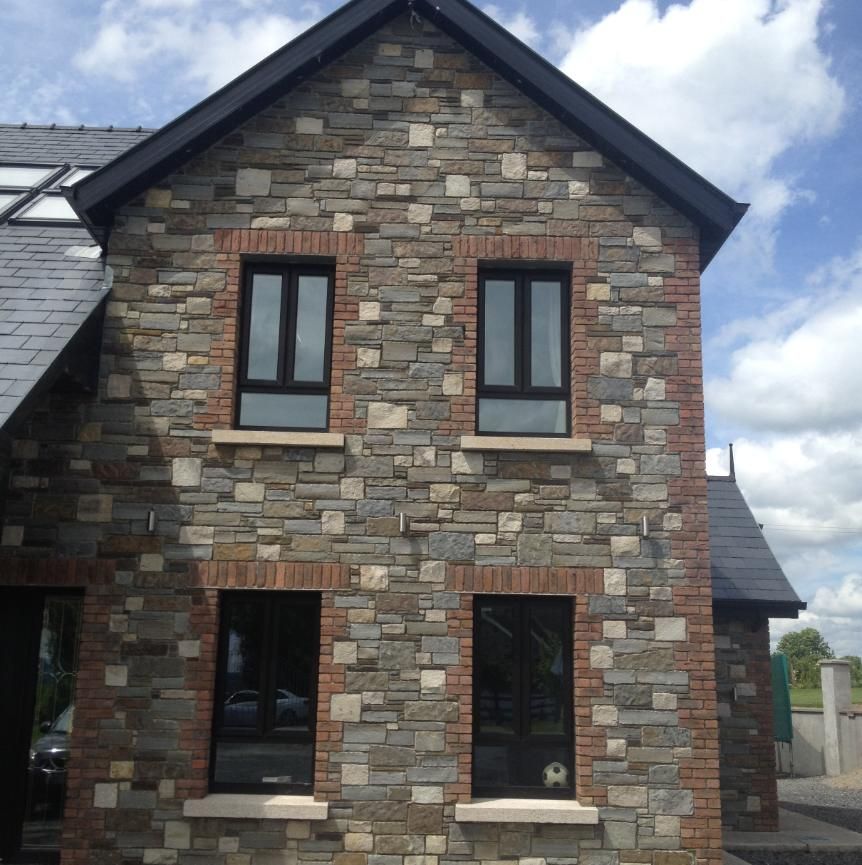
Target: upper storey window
286 348
523 352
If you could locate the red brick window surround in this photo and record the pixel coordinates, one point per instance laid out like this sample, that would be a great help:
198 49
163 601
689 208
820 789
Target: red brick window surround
235 247
472 254
590 740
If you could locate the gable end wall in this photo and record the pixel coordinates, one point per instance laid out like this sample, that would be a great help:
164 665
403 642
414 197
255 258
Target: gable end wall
407 163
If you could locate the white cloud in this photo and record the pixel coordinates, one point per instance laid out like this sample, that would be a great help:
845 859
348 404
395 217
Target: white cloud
729 86
518 23
801 366
805 379
205 45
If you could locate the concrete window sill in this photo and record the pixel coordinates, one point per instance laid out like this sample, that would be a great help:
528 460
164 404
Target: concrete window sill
247 806
285 438
526 444
526 811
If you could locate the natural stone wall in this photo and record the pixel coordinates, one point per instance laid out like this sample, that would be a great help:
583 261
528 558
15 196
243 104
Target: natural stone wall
406 164
749 796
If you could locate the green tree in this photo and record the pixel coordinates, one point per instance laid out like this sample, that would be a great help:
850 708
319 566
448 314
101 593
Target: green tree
803 650
855 670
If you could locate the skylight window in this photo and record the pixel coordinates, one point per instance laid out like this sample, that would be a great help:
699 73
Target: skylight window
33 193
48 208
24 176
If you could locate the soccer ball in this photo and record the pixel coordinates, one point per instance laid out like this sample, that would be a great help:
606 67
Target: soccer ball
555 775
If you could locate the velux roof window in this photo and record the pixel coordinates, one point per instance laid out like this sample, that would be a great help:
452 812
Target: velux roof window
32 193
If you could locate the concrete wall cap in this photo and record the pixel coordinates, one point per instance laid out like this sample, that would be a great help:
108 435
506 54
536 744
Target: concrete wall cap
249 806
286 438
537 444
526 811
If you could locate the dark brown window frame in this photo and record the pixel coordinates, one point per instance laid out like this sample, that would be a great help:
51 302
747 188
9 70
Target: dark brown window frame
522 604
522 389
289 272
271 601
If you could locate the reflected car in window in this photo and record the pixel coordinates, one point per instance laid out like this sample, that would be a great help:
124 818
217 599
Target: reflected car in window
48 758
240 709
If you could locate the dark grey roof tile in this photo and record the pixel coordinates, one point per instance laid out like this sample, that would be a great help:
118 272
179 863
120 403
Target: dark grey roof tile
743 567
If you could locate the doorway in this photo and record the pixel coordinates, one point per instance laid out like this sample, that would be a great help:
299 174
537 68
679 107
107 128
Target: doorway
39 638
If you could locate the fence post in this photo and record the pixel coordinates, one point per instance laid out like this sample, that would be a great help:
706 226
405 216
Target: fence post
835 682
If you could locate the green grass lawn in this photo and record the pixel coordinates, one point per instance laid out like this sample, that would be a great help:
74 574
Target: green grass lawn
812 698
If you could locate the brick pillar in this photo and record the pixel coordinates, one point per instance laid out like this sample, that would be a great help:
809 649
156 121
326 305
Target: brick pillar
749 796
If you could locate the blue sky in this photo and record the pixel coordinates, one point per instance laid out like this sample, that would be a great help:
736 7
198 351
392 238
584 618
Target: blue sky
761 96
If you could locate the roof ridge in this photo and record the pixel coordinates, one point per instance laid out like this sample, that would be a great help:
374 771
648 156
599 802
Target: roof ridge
81 127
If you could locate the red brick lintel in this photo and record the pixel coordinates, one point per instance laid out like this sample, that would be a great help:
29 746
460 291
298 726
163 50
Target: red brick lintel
525 580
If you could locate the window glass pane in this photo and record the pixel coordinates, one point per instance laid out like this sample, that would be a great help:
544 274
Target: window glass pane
74 176
296 649
495 667
522 416
264 327
263 763
17 175
284 410
244 620
547 668
546 368
498 332
310 327
492 765
49 207
6 198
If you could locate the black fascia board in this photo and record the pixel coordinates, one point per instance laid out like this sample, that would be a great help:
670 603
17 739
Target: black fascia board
770 609
715 213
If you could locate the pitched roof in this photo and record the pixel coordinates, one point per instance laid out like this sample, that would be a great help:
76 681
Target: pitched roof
82 145
52 279
744 569
96 197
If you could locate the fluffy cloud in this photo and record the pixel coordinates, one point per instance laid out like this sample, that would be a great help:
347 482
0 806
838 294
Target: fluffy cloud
729 86
518 23
205 44
798 369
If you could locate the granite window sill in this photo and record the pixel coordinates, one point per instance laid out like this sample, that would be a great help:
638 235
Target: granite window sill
526 811
249 806
285 438
527 444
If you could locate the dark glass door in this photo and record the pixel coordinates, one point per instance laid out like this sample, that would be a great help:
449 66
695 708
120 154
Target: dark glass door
39 634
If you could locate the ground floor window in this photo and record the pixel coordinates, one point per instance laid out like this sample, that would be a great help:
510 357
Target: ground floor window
265 692
523 737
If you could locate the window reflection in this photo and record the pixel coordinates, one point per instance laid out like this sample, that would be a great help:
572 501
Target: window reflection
267 672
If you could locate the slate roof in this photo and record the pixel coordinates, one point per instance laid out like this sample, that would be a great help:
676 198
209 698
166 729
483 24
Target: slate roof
50 283
87 145
744 569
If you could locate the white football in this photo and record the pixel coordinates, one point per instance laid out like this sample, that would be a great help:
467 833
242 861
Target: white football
555 775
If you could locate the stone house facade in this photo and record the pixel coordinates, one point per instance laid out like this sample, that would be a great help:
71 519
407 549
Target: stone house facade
409 170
